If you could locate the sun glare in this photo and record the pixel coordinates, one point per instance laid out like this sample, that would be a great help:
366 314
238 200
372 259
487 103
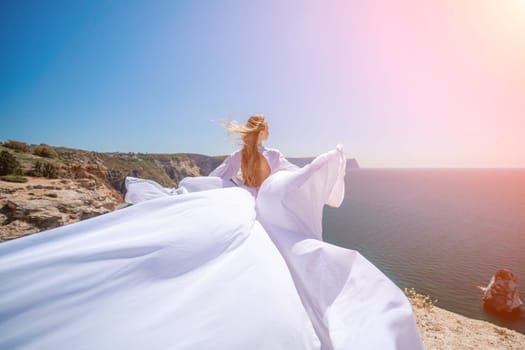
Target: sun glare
511 13
504 27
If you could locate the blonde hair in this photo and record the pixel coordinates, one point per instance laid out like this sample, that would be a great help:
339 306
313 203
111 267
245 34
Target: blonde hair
251 161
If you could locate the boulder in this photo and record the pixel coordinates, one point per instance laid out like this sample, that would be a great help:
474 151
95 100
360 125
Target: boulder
501 295
40 213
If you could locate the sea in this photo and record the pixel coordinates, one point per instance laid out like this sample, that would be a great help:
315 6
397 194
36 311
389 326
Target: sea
440 231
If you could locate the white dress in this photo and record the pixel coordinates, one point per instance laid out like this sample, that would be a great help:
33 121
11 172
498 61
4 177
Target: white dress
213 268
231 167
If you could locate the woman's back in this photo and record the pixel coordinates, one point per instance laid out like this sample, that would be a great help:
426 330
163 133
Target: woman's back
263 168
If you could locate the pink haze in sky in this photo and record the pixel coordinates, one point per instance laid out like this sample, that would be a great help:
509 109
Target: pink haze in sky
451 75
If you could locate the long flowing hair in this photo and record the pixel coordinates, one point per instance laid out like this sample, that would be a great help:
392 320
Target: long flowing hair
251 159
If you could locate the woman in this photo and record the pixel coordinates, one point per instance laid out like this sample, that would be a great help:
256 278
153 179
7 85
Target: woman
215 268
254 163
246 168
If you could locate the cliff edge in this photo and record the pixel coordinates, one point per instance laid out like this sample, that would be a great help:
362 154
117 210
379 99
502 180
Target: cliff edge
444 330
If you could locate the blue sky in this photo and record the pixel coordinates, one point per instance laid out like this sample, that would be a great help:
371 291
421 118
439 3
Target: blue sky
153 76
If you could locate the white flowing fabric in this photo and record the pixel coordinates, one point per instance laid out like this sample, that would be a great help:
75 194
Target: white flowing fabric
352 304
213 268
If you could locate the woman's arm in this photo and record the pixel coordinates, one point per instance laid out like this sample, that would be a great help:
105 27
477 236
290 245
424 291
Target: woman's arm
284 164
229 167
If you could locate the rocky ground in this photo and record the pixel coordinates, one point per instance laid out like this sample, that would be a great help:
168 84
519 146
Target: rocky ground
445 330
41 204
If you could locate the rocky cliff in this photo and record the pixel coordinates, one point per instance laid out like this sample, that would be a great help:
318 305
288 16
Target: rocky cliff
41 204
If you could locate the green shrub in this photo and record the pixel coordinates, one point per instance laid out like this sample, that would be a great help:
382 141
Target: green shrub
50 171
13 178
44 169
37 169
17 146
45 151
9 165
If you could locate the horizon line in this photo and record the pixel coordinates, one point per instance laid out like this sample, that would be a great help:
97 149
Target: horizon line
292 157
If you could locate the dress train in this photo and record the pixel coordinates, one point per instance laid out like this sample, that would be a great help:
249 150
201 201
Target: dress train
214 267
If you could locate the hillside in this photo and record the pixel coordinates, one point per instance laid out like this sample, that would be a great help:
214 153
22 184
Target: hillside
111 169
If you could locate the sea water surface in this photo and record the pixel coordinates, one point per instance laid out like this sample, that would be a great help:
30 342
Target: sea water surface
440 231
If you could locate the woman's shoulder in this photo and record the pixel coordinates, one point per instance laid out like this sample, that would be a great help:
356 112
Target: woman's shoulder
236 153
273 151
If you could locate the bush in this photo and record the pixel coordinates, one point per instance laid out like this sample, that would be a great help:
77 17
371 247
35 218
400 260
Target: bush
44 169
37 169
13 178
45 151
419 300
9 165
17 146
50 171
